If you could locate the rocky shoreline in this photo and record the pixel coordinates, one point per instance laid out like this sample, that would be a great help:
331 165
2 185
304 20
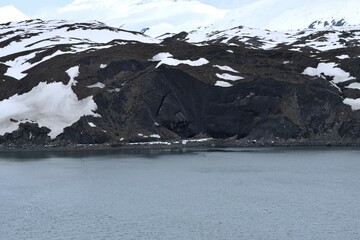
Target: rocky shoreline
179 145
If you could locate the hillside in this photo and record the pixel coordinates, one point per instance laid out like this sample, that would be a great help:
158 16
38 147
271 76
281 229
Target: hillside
66 83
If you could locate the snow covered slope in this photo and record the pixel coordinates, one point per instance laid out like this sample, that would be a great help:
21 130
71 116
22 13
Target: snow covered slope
160 16
173 16
291 14
20 42
10 13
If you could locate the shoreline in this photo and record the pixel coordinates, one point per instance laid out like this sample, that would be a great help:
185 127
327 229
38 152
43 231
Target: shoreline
177 146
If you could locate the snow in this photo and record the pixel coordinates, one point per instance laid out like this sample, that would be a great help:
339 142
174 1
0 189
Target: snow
167 59
97 85
341 57
354 103
160 16
151 143
329 69
103 66
226 68
184 142
149 136
10 14
290 14
52 105
319 40
91 124
155 136
355 85
19 65
229 77
73 73
223 84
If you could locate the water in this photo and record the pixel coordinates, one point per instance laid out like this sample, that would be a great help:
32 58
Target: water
242 194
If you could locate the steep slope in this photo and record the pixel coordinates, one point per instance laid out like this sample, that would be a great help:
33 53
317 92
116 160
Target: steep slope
87 83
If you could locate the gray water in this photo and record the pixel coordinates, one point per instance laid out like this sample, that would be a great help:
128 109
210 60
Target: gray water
241 194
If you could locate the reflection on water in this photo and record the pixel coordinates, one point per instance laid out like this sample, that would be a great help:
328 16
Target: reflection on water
204 194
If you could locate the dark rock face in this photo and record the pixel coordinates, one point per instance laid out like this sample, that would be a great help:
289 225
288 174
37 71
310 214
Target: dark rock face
27 134
140 102
322 24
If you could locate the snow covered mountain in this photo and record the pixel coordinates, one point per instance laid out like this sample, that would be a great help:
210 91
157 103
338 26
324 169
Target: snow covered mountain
74 83
159 16
10 13
162 16
291 14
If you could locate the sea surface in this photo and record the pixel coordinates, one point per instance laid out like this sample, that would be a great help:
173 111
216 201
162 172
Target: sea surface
204 194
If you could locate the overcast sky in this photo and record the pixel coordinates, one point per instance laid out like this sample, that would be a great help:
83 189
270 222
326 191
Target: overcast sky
41 8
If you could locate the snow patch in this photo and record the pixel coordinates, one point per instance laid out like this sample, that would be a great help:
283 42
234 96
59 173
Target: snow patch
329 69
184 142
97 85
223 84
341 57
151 143
167 58
155 136
226 68
229 77
91 124
354 103
354 86
103 66
73 73
19 65
150 136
